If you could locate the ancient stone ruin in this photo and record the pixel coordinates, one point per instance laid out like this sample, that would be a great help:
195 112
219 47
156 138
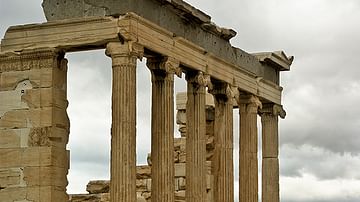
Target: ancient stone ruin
176 39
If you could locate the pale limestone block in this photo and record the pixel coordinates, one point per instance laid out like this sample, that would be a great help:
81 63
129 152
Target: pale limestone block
148 184
140 197
37 77
45 97
181 183
11 100
147 196
141 185
103 197
180 195
13 120
14 138
143 172
45 176
180 170
98 186
41 117
34 193
34 156
10 177
182 157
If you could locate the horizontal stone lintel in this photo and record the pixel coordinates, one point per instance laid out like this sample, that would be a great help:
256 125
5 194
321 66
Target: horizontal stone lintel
237 68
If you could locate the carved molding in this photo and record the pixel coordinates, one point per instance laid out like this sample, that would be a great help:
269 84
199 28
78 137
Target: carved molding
222 89
200 79
273 109
30 59
126 49
248 102
167 64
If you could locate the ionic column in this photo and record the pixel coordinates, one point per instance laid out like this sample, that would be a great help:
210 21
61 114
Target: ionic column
248 109
123 128
222 168
196 137
162 128
270 152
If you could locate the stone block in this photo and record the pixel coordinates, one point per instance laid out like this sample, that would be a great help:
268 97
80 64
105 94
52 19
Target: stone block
48 136
179 195
11 100
182 157
39 78
34 156
98 186
46 176
41 117
90 197
10 177
180 170
141 185
36 194
143 172
180 183
45 97
14 138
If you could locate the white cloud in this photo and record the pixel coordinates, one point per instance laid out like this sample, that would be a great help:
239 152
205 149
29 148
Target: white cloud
309 189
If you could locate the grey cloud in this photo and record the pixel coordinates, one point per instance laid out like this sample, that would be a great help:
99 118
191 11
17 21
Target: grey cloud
324 164
17 12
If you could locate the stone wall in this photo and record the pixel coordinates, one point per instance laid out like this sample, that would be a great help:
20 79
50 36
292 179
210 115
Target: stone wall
98 191
34 126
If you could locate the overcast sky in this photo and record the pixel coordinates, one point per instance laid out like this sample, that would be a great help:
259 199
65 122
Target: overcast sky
320 144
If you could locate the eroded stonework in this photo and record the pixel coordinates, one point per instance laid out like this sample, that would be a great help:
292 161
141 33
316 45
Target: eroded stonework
34 127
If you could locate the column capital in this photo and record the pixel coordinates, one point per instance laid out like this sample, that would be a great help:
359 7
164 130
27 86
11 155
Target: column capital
117 49
273 109
200 79
222 90
167 64
248 102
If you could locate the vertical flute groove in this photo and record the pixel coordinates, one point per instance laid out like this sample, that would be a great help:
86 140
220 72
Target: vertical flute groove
270 161
162 140
248 161
123 131
223 153
195 144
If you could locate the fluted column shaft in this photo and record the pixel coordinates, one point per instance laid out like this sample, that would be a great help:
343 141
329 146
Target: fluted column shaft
248 109
162 129
270 152
196 138
123 128
222 168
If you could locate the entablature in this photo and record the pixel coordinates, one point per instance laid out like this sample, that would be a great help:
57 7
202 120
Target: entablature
95 32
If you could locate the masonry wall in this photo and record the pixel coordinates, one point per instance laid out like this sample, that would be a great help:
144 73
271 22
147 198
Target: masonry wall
34 127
